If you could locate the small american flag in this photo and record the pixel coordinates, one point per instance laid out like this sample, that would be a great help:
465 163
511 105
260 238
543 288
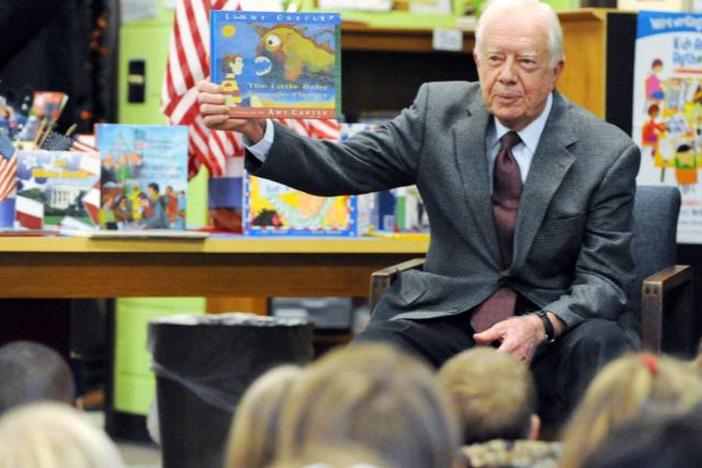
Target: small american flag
55 141
58 142
8 167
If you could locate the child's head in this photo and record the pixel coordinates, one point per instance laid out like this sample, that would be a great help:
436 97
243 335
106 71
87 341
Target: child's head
638 383
253 433
375 396
494 393
654 110
33 372
53 435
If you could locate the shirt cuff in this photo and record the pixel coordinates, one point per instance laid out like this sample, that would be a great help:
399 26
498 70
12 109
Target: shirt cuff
260 150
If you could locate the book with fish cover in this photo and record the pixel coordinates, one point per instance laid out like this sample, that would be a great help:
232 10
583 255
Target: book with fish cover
278 65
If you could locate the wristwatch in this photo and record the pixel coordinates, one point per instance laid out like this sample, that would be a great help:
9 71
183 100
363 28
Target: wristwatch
548 326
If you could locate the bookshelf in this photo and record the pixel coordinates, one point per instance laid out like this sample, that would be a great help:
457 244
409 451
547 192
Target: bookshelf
599 48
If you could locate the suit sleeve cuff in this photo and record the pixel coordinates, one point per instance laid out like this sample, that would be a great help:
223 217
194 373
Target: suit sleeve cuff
261 149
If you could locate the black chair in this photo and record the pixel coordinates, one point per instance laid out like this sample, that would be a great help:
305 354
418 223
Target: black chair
665 300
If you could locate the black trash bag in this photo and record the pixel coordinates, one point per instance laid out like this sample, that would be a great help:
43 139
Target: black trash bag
203 365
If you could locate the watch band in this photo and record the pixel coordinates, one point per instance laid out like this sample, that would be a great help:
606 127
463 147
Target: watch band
548 326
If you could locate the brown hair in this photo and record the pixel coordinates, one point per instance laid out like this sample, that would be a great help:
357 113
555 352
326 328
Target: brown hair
494 393
376 396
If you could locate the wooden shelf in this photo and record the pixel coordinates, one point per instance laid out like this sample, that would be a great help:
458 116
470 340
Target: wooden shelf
363 38
214 245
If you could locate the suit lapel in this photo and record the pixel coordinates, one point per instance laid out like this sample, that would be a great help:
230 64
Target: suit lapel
469 144
551 162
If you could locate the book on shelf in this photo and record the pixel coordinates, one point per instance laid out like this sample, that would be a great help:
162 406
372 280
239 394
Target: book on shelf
56 188
144 176
278 65
273 209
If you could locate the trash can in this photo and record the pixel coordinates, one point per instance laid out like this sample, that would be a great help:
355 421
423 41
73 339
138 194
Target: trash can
203 365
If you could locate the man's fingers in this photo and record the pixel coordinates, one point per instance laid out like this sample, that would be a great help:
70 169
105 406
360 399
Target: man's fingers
206 86
488 336
214 109
209 98
212 121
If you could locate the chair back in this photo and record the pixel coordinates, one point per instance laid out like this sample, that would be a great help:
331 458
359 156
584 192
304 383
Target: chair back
654 247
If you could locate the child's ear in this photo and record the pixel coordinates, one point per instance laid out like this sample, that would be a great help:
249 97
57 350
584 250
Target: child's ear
535 427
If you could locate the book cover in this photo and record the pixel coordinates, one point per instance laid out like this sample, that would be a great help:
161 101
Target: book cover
273 209
667 105
55 188
144 176
275 64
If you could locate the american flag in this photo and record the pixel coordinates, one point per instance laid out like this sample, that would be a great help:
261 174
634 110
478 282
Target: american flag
188 63
59 142
8 167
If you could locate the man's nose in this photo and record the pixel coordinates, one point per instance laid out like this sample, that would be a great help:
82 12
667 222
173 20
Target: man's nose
507 72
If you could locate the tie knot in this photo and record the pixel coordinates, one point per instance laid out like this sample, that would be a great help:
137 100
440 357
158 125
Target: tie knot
508 140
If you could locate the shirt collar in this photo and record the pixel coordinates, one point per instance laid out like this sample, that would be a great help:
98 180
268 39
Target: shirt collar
530 134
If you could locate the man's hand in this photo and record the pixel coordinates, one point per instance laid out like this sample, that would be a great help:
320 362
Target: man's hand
518 336
216 114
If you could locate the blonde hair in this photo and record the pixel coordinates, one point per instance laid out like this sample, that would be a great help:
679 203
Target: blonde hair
53 435
254 428
496 8
376 396
638 383
494 393
335 456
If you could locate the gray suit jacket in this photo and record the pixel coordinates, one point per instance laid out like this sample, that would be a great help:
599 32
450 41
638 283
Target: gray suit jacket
573 230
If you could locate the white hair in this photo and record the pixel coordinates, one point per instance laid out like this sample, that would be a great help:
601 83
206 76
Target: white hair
495 8
53 435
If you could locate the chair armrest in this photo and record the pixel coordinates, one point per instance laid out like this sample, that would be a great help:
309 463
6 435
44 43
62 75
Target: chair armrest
382 279
667 292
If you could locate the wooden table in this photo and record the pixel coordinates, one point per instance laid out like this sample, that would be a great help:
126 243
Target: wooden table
63 267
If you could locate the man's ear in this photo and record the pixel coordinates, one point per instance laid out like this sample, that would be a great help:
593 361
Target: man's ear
477 62
558 71
535 427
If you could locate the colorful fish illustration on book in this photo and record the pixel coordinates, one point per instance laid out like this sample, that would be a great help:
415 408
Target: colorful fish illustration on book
288 45
279 65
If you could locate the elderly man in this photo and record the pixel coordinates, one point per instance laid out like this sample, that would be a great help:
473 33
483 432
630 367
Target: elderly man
529 199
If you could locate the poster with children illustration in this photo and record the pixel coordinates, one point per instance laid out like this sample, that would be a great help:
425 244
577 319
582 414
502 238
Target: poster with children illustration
667 112
144 176
277 65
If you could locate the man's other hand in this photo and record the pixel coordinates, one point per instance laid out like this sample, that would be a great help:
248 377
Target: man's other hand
215 113
518 336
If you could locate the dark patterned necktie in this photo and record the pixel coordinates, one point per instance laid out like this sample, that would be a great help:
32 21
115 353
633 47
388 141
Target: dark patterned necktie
506 191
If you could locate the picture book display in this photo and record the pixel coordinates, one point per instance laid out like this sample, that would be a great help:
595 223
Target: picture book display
271 208
57 188
275 64
667 110
144 176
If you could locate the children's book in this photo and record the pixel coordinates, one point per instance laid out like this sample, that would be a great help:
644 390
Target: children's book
273 209
144 176
56 187
275 64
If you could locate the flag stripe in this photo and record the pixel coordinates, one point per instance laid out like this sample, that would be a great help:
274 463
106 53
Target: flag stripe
8 177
